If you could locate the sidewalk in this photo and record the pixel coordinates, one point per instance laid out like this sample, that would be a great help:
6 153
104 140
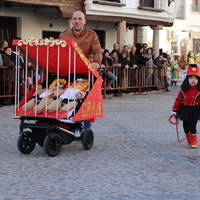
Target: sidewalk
136 156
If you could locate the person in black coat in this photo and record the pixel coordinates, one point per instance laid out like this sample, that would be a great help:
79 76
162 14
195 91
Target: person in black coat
7 79
140 59
106 62
159 63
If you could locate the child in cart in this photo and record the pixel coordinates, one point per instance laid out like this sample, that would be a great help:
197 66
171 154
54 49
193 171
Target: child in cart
70 98
187 104
44 96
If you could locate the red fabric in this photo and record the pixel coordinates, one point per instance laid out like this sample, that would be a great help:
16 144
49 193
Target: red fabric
193 70
92 106
70 60
57 58
43 114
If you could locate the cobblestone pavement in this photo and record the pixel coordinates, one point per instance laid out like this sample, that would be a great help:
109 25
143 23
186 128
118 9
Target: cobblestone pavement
136 156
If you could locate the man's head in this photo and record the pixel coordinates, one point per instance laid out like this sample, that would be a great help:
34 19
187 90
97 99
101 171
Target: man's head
160 57
145 46
116 46
78 21
126 47
3 44
133 49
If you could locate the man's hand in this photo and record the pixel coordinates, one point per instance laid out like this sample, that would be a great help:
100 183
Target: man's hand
127 66
95 65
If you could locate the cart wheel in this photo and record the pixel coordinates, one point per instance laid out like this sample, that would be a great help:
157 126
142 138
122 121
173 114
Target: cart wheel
53 144
26 142
87 139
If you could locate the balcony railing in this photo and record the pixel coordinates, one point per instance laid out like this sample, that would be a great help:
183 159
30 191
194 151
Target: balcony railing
111 2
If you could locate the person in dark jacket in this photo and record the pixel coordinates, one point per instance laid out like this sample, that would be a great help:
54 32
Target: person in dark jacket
133 57
8 77
125 64
140 59
159 63
107 61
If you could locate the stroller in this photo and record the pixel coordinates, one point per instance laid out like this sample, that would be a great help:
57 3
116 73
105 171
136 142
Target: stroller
56 60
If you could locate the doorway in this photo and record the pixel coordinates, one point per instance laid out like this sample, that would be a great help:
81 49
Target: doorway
50 34
101 35
8 29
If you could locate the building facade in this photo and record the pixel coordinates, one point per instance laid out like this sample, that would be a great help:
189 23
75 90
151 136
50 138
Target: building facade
123 21
184 35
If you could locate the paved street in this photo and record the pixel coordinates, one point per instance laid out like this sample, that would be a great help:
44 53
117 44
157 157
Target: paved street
136 156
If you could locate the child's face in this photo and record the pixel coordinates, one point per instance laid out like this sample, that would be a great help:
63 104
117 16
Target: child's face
107 54
79 84
8 51
193 80
60 85
114 55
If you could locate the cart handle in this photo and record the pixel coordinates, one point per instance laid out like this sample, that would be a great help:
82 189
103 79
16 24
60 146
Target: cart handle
173 116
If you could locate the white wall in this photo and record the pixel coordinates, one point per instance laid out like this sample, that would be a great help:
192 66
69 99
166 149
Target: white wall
131 10
111 33
31 24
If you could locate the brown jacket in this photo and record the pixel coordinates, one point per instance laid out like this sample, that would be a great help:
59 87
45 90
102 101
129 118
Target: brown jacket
87 41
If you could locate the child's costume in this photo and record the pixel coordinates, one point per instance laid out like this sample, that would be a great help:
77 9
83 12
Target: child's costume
182 63
69 99
174 68
43 97
187 107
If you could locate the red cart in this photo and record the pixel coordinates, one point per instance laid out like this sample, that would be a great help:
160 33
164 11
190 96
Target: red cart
56 60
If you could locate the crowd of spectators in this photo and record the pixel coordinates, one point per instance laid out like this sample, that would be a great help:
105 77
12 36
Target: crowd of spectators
133 57
126 57
10 58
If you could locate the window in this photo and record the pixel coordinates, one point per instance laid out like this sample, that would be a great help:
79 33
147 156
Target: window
118 1
102 36
111 2
153 5
8 28
147 3
194 2
196 45
174 47
50 34
181 10
195 6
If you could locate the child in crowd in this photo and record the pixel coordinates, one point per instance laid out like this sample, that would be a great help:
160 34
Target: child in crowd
190 57
182 63
70 98
187 104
